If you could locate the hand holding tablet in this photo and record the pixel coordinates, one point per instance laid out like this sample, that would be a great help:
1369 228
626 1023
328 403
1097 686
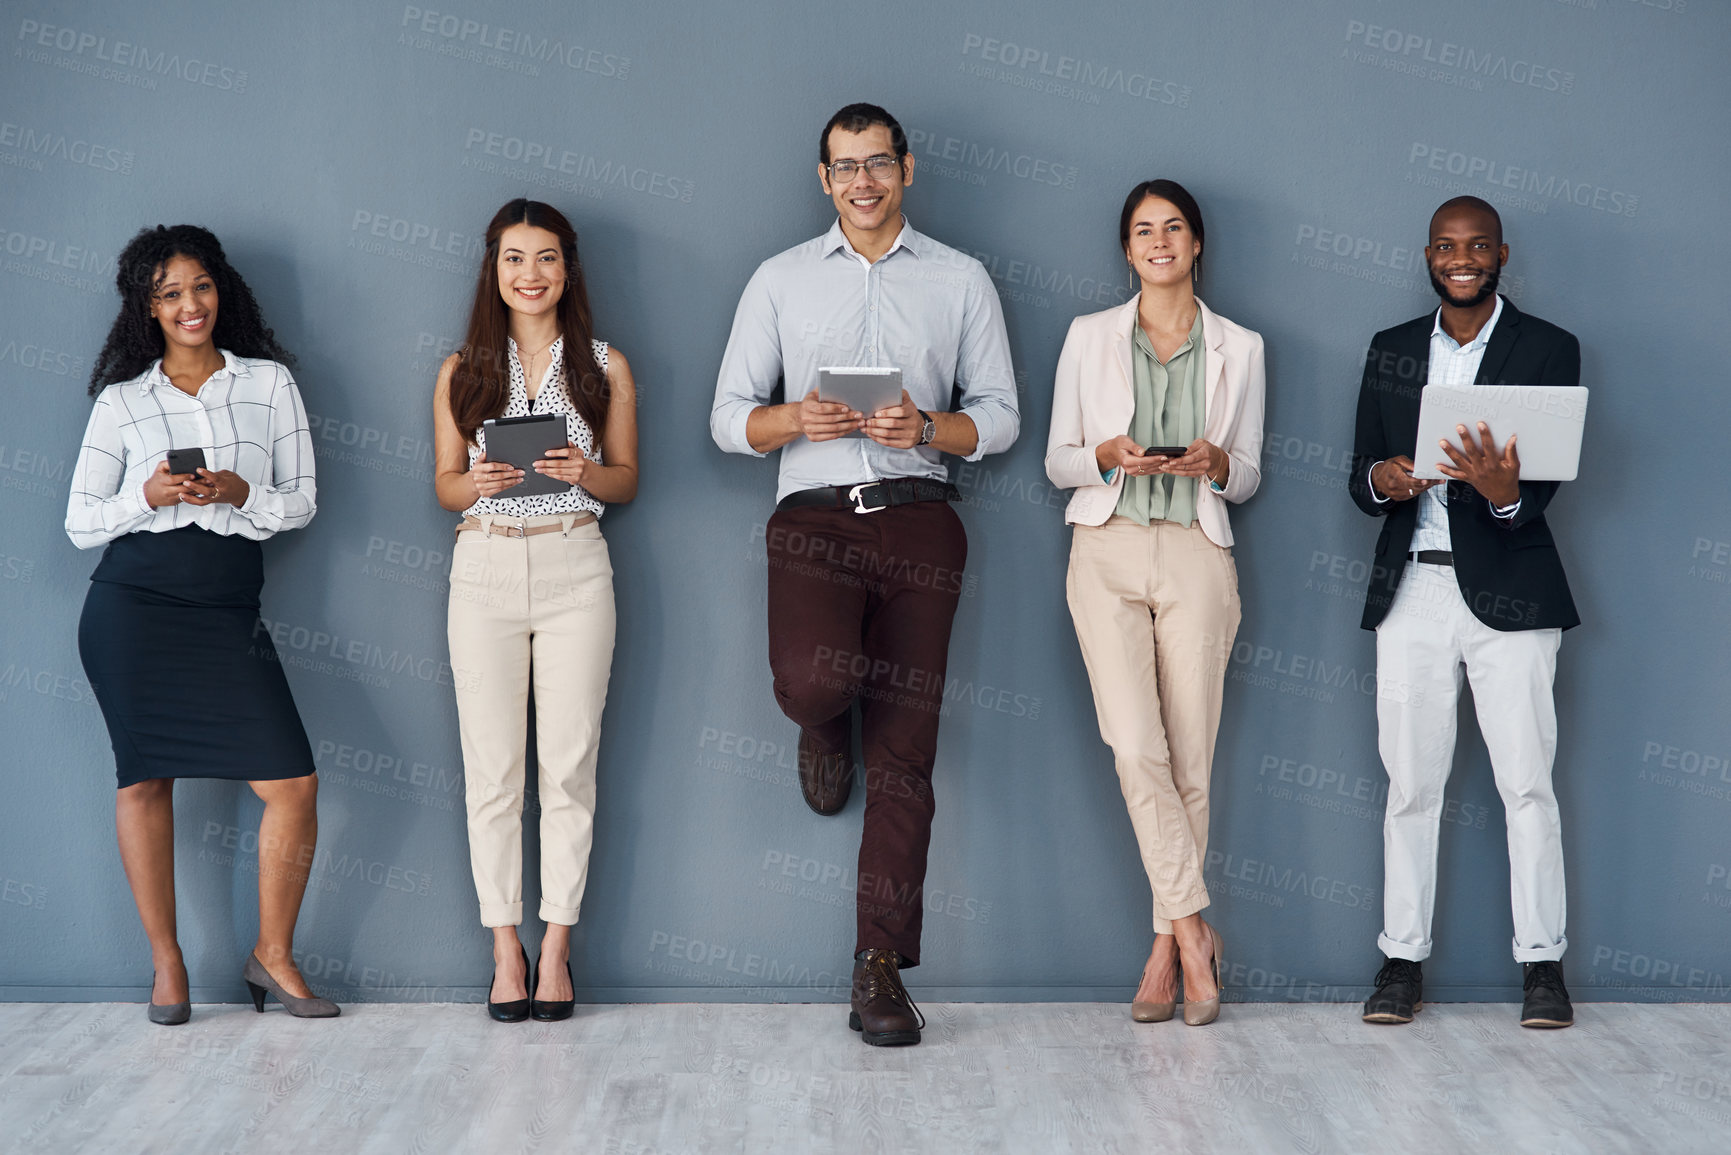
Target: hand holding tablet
864 390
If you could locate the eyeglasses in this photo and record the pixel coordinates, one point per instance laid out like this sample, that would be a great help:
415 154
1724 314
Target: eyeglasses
880 167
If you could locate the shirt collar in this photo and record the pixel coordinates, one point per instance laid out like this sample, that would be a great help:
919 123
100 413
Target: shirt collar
1483 337
835 241
557 345
1191 339
232 366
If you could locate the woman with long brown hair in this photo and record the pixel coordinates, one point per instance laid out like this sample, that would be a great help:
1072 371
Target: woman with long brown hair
531 582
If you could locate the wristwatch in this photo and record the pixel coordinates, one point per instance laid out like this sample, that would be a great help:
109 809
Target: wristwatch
929 431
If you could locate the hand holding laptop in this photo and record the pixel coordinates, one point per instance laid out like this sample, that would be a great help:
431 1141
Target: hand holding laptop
1496 474
1393 479
1548 420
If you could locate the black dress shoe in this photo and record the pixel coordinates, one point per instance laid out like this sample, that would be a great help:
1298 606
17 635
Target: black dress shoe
516 1010
824 779
1546 1003
554 1010
1399 993
882 1012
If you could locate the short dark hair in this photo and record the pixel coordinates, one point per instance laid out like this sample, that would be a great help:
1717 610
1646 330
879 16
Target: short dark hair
858 118
1471 202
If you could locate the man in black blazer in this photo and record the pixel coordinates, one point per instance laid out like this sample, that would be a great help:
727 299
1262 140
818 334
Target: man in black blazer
1465 575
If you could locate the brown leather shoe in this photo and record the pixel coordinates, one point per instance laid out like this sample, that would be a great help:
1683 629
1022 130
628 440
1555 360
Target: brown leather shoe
824 779
882 1012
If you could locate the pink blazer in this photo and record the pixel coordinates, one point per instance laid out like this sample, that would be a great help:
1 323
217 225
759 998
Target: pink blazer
1094 398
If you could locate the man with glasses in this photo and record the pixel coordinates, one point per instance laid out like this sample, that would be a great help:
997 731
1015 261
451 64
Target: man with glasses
865 555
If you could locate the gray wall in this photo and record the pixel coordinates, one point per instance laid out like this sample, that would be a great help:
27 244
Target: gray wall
350 155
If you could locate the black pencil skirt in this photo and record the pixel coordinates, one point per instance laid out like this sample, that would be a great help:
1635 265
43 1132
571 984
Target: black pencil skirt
188 680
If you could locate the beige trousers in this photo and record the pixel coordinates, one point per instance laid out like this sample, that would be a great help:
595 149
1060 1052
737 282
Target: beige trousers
1156 609
545 604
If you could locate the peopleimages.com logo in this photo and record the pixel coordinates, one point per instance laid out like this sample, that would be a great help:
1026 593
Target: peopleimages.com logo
462 37
97 48
1544 186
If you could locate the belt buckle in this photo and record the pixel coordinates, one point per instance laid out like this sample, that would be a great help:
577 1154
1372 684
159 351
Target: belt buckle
859 505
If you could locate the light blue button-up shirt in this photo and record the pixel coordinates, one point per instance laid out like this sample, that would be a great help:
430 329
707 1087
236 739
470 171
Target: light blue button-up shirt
1451 363
922 307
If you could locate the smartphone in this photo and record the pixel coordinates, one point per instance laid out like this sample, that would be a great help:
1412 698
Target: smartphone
1166 451
185 460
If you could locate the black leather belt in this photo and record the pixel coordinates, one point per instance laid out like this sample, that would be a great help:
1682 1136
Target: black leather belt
1432 557
871 496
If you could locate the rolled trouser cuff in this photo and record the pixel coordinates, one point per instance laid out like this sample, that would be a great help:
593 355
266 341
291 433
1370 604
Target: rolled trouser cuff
1527 954
1164 914
1407 951
561 915
501 914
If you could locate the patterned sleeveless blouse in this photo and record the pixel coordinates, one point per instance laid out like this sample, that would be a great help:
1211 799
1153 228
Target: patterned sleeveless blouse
550 398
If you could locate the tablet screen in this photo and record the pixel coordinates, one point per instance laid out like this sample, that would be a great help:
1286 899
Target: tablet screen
864 389
522 441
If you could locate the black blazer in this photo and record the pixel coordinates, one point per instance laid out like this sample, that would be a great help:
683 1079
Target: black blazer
1509 571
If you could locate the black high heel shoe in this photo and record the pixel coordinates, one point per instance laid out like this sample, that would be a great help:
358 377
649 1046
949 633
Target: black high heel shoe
516 1010
553 1011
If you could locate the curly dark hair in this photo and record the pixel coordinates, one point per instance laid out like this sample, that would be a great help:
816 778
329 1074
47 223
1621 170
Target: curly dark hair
135 339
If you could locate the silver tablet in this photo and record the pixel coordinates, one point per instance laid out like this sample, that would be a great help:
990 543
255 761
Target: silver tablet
522 441
1548 418
864 389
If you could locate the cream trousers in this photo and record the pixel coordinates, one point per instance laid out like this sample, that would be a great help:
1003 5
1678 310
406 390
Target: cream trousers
1156 609
541 604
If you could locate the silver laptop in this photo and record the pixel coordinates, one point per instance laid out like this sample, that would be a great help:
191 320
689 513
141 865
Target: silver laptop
1548 418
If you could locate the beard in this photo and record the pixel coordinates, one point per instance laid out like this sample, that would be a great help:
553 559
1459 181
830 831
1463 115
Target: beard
1487 288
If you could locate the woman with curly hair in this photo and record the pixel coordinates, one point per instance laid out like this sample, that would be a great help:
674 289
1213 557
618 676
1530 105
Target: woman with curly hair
196 451
531 581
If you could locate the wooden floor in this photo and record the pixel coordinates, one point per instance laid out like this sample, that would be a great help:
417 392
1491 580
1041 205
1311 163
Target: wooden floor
1041 1078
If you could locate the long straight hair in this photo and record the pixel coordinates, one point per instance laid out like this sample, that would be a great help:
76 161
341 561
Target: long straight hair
481 384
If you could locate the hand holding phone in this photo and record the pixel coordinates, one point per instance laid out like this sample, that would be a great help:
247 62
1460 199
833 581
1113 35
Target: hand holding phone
186 460
1166 451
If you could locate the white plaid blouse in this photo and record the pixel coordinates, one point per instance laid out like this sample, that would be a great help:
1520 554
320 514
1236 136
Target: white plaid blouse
247 418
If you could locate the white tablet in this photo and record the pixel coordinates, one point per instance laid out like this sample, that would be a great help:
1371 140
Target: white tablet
862 388
1548 418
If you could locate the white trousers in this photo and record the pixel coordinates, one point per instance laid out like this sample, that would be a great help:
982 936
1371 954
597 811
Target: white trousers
1427 641
543 603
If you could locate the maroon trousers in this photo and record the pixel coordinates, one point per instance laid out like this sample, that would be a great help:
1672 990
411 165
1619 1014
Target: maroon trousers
860 607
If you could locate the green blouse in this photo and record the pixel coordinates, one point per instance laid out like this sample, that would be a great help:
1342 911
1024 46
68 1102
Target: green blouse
1169 411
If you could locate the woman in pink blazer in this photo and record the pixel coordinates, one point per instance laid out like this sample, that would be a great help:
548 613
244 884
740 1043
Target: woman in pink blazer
1157 424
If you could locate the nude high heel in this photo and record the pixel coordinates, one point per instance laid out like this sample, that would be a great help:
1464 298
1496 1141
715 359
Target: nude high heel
1200 1014
1157 1012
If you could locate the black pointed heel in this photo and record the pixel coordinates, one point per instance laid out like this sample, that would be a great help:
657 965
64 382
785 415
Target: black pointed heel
555 1010
257 996
516 1010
